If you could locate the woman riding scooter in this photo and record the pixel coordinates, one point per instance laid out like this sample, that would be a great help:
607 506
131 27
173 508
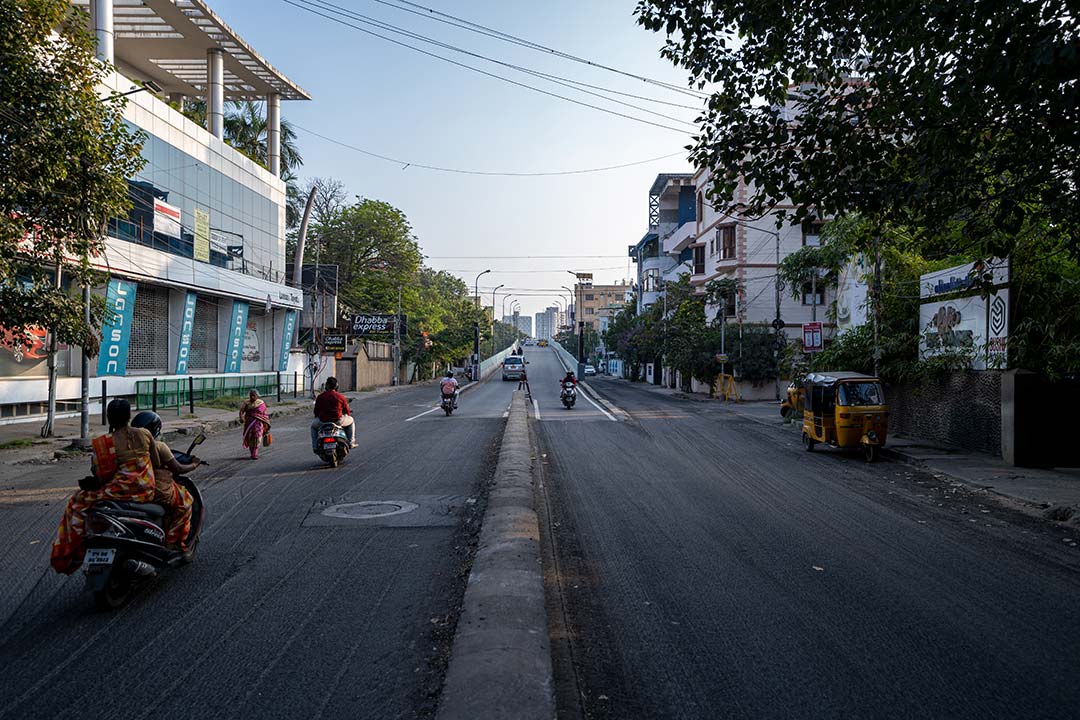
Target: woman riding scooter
175 498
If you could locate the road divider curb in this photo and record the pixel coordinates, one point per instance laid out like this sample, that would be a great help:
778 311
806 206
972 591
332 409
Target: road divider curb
500 663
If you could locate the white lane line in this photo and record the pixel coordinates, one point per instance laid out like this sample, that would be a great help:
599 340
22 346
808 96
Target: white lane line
609 415
437 407
536 407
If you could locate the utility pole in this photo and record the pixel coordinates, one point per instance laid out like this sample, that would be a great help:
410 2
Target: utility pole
777 323
47 429
476 328
493 316
877 301
397 340
84 404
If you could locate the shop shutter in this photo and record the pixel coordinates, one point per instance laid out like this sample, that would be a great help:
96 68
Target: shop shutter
204 336
149 348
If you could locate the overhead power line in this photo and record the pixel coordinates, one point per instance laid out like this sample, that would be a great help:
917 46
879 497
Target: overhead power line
461 171
442 17
318 10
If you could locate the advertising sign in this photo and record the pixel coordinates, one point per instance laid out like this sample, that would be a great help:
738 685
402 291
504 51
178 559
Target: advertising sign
966 321
852 294
369 324
166 219
202 235
187 325
116 331
334 343
286 339
812 340
234 354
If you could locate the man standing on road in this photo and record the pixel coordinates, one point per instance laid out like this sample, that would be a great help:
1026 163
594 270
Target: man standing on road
332 406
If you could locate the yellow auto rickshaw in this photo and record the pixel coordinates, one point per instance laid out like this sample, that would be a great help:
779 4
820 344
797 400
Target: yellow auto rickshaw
845 410
791 407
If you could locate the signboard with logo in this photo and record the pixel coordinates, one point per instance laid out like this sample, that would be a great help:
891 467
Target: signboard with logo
187 325
852 294
166 219
955 317
369 324
334 343
286 339
116 332
234 351
202 235
812 339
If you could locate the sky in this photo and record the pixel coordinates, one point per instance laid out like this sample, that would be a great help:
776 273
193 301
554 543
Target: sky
372 94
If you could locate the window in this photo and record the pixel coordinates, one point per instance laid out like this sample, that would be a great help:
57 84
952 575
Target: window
808 294
699 260
811 235
590 296
725 242
589 311
712 247
859 393
700 207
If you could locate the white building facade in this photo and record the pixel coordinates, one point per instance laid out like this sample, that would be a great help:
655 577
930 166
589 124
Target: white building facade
197 267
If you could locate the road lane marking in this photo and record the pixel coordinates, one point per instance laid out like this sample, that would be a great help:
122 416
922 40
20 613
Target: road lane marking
437 407
536 407
609 415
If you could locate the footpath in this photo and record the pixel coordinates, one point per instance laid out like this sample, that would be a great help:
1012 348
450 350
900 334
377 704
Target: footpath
22 442
1055 490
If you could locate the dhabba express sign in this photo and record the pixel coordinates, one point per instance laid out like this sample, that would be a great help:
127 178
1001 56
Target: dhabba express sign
371 324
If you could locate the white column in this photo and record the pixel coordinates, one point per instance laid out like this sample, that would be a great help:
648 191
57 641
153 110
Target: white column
215 92
101 12
273 133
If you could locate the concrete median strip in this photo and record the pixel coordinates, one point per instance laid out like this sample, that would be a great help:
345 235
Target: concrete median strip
500 664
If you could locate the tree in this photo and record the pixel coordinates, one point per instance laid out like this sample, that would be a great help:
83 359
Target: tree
66 156
945 116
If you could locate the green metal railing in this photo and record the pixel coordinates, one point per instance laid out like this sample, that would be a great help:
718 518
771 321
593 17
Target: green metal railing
166 393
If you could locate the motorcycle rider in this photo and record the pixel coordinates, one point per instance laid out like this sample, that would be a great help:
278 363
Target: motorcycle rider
175 498
332 406
449 386
568 379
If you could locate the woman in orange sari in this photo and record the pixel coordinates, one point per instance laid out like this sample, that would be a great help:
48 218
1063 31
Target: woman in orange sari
123 465
255 419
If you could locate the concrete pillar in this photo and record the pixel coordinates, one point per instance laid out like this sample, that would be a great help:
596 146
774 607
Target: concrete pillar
177 98
215 92
101 16
273 133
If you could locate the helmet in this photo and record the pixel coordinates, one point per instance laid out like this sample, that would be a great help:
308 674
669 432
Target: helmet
148 420
449 373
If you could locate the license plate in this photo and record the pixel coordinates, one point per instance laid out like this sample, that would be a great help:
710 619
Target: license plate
98 556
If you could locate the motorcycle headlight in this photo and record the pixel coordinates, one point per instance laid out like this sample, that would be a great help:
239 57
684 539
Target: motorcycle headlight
872 436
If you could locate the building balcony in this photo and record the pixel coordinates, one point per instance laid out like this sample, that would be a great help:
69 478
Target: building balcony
680 239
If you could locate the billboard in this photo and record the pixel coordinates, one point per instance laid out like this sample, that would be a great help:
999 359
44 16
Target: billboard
166 219
955 316
371 324
201 250
187 325
234 354
852 294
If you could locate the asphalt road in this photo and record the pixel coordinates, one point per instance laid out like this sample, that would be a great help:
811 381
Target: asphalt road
286 613
704 566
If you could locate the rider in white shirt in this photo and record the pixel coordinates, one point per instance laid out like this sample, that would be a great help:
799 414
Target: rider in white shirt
449 386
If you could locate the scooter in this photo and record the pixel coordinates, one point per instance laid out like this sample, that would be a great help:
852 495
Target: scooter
332 445
125 542
569 395
447 404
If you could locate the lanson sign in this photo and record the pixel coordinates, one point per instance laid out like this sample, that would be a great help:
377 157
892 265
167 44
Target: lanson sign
116 332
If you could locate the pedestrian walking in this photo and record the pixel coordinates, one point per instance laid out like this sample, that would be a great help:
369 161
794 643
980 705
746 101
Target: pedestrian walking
255 421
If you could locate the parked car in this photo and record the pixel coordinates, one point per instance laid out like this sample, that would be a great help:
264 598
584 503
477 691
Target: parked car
513 368
590 370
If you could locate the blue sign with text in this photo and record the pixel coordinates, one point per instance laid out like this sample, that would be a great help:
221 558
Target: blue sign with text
187 325
237 329
116 331
286 339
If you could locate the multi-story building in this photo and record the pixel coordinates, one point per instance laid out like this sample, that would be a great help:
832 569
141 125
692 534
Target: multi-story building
197 267
671 207
599 302
547 323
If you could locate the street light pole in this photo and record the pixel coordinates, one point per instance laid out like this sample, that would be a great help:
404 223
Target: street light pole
476 328
493 317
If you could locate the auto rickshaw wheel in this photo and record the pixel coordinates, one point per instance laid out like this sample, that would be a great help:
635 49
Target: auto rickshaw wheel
807 442
870 452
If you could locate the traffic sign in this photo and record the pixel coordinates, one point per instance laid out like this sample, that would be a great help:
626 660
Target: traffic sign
778 324
721 357
812 340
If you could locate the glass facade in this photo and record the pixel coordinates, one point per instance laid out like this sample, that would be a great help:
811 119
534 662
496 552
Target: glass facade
245 225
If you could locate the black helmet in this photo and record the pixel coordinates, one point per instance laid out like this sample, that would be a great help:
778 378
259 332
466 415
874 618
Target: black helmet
148 420
449 373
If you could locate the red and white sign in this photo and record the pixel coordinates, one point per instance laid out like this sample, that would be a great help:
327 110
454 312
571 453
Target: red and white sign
811 337
166 218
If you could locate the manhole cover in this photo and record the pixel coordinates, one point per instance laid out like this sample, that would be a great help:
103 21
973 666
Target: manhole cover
370 509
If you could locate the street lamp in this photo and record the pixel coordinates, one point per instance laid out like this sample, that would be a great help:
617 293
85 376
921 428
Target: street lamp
476 328
493 317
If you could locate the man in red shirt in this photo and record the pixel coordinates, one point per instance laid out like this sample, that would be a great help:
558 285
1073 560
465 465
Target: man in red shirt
332 406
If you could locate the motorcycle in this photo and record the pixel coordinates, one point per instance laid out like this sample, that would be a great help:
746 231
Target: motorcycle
125 542
447 404
568 395
332 444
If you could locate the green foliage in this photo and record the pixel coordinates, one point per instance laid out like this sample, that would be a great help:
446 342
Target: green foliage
932 114
65 156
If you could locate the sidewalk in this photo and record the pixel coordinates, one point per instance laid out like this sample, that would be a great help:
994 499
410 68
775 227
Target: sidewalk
1032 486
20 442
